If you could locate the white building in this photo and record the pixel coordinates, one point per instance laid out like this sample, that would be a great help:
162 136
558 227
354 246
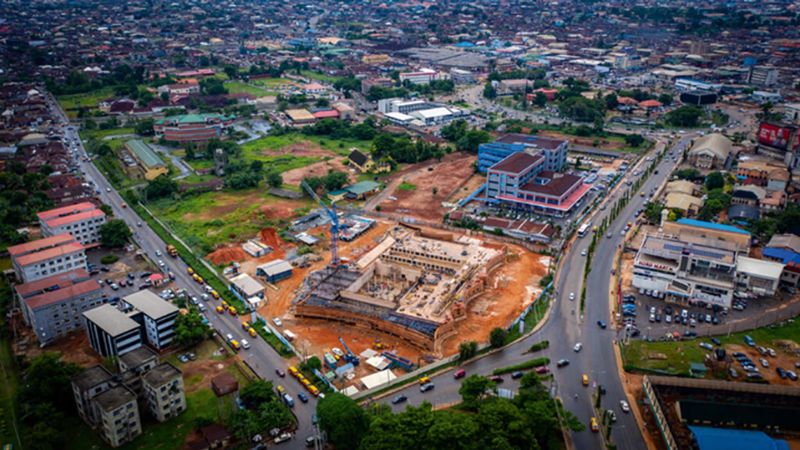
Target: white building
47 257
758 276
435 116
399 105
156 315
422 76
82 221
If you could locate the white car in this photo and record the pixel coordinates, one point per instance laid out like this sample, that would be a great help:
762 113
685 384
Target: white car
623 405
572 296
229 337
158 253
583 252
245 344
577 347
161 263
277 321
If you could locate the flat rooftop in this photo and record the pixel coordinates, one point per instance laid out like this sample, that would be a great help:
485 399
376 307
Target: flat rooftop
673 249
114 398
162 373
150 304
91 377
111 320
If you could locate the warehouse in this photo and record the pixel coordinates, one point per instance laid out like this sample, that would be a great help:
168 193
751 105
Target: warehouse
146 165
275 271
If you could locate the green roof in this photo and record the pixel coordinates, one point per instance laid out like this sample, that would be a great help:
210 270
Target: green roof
194 118
144 154
362 187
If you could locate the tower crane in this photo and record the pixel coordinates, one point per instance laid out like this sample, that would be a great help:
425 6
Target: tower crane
334 224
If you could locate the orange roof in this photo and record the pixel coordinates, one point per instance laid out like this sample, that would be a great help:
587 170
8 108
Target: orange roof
650 104
627 101
66 210
28 247
50 253
61 279
72 218
59 295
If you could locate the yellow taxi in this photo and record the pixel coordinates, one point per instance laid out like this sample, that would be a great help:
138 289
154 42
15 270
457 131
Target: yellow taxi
245 325
594 425
220 309
190 270
424 380
585 379
252 332
215 295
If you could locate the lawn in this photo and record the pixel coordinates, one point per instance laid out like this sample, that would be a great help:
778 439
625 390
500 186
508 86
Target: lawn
85 100
272 82
680 354
406 186
100 134
318 76
236 87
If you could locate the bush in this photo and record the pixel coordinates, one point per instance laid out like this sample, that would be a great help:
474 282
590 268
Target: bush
109 259
539 346
536 362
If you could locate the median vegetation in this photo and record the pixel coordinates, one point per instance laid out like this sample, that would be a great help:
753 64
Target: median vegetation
533 363
539 346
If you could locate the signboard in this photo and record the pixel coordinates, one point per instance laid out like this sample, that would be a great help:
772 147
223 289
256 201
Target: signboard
778 137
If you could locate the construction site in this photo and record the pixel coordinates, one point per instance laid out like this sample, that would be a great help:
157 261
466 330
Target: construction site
414 285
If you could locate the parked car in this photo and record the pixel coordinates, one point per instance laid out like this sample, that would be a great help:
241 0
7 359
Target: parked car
283 438
426 387
399 399
460 373
562 363
496 378
303 397
280 373
577 347
624 406
517 374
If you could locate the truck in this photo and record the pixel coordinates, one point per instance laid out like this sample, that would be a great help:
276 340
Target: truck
172 251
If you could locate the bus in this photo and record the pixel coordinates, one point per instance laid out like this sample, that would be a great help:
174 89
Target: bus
584 229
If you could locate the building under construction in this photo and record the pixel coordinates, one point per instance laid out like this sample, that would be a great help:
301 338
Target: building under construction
415 284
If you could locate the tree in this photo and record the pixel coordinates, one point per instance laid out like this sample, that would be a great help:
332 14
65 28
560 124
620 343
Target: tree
144 127
581 109
314 363
160 187
474 388
452 430
715 180
634 140
467 350
716 201
107 210
540 99
489 91
472 140
274 179
652 211
497 337
190 329
685 116
231 71
665 99
343 420
114 233
257 393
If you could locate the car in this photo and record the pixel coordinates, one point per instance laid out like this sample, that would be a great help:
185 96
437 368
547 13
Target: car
159 254
772 352
541 370
611 416
608 235
108 189
426 387
594 425
517 374
792 376
764 362
562 363
652 318
183 358
139 224
577 347
601 324
161 263
623 405
114 286
399 399
749 341
572 296
732 372
781 373
668 318
716 341
496 378
303 397
312 440
277 322
245 344
283 438
228 337
280 373
583 252
585 380
706 346
460 373
424 380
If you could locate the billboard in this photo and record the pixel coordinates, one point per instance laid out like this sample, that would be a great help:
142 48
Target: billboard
778 136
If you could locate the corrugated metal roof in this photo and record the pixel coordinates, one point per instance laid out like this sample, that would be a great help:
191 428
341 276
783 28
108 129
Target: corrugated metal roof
144 153
712 226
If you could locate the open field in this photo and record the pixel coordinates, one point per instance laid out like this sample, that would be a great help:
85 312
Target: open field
85 100
317 76
611 142
257 149
236 87
674 357
102 134
446 178
208 220
271 83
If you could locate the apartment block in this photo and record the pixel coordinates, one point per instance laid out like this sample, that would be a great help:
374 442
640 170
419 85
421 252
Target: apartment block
86 386
53 306
134 364
119 415
111 332
163 394
82 221
155 315
47 257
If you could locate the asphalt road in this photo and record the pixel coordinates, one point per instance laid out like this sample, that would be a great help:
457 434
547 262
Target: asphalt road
565 327
261 356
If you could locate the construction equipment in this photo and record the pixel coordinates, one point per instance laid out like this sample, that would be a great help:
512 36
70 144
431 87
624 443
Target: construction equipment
334 223
398 361
348 355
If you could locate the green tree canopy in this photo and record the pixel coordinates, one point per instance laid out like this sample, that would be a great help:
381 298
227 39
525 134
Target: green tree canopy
115 233
343 420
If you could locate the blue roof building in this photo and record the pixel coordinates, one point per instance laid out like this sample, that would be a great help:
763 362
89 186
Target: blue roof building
709 438
713 226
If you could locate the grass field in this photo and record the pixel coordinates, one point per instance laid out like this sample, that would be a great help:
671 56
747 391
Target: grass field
272 82
9 374
206 220
235 87
317 76
680 354
342 147
406 186
100 134
85 100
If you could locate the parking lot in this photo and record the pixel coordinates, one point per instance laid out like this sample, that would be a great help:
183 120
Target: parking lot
130 273
658 319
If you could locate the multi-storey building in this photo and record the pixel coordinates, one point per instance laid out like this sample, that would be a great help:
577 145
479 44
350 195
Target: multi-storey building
192 127
111 332
119 415
86 386
155 315
685 271
82 221
162 390
553 150
53 306
134 364
47 257
508 176
422 76
762 76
